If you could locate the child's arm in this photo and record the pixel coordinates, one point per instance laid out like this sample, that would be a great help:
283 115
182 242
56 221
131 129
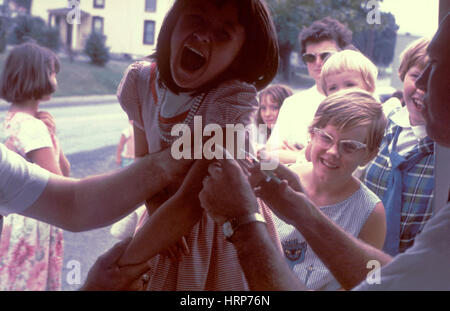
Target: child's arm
64 164
374 230
45 158
120 149
171 221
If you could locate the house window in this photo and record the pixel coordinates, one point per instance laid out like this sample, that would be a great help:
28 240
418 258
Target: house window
99 4
149 32
97 24
150 5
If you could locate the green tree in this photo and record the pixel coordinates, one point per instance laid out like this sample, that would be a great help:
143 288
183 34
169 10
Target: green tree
24 3
31 27
291 16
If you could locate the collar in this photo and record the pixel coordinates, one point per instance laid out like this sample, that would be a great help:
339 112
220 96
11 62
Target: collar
401 118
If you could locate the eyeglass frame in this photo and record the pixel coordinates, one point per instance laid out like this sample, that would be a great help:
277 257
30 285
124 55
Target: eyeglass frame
359 145
323 56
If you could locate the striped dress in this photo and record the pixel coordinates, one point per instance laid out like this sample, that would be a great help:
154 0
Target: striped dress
212 263
350 214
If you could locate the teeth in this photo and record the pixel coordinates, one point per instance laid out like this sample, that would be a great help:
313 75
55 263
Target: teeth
195 51
419 104
327 164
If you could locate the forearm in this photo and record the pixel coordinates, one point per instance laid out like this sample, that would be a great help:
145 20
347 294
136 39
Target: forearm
114 195
344 255
93 202
64 165
262 263
168 224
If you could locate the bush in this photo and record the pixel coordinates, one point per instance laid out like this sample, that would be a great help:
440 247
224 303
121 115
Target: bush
27 27
96 49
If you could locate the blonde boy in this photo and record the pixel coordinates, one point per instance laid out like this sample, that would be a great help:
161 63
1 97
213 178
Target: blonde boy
348 69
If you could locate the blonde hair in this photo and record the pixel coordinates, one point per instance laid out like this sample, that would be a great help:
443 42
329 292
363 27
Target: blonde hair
414 55
350 60
351 108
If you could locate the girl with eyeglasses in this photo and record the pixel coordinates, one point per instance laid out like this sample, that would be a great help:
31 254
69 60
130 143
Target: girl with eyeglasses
346 132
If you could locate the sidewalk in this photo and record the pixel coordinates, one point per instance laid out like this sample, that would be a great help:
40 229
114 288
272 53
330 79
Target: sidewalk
71 101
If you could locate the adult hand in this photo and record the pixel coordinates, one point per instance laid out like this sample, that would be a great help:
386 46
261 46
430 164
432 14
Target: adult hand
48 120
105 274
226 192
284 198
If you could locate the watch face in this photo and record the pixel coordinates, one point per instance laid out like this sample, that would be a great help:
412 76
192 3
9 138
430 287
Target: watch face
227 229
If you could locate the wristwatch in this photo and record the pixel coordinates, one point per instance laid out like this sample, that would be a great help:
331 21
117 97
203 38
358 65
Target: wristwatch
230 227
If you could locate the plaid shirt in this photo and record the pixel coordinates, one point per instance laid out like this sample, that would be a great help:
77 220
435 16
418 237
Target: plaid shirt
417 184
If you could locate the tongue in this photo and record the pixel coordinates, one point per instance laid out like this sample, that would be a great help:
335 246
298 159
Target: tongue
191 61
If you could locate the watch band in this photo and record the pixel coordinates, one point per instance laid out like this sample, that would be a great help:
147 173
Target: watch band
230 227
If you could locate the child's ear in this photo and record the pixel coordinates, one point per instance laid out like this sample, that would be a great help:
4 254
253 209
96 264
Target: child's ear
369 156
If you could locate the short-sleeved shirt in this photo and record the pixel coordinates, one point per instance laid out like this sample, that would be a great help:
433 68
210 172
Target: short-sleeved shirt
25 133
21 183
213 263
424 266
296 115
418 180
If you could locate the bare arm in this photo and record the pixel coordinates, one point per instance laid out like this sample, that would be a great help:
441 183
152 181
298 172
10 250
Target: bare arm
64 164
45 158
344 255
257 253
93 202
374 230
120 148
226 194
171 221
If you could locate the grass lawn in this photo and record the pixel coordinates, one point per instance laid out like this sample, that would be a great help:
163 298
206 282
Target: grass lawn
81 78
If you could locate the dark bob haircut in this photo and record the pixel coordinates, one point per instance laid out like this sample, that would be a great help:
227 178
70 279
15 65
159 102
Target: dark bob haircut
326 29
257 62
278 92
26 75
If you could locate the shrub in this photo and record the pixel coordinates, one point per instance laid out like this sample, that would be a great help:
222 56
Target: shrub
27 27
96 49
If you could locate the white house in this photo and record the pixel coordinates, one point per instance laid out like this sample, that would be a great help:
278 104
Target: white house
131 26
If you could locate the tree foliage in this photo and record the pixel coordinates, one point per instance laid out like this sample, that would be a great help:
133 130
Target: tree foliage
31 27
96 49
291 16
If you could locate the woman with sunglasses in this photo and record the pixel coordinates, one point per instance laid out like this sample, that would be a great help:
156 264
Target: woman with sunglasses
346 132
290 134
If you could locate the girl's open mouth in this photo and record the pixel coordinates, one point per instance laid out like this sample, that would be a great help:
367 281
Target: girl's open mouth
191 59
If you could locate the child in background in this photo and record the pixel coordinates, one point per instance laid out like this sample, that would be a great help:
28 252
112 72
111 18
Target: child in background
346 132
31 252
125 148
402 174
270 101
348 69
211 58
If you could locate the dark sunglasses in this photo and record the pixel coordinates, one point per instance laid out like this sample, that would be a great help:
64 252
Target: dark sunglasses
311 57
